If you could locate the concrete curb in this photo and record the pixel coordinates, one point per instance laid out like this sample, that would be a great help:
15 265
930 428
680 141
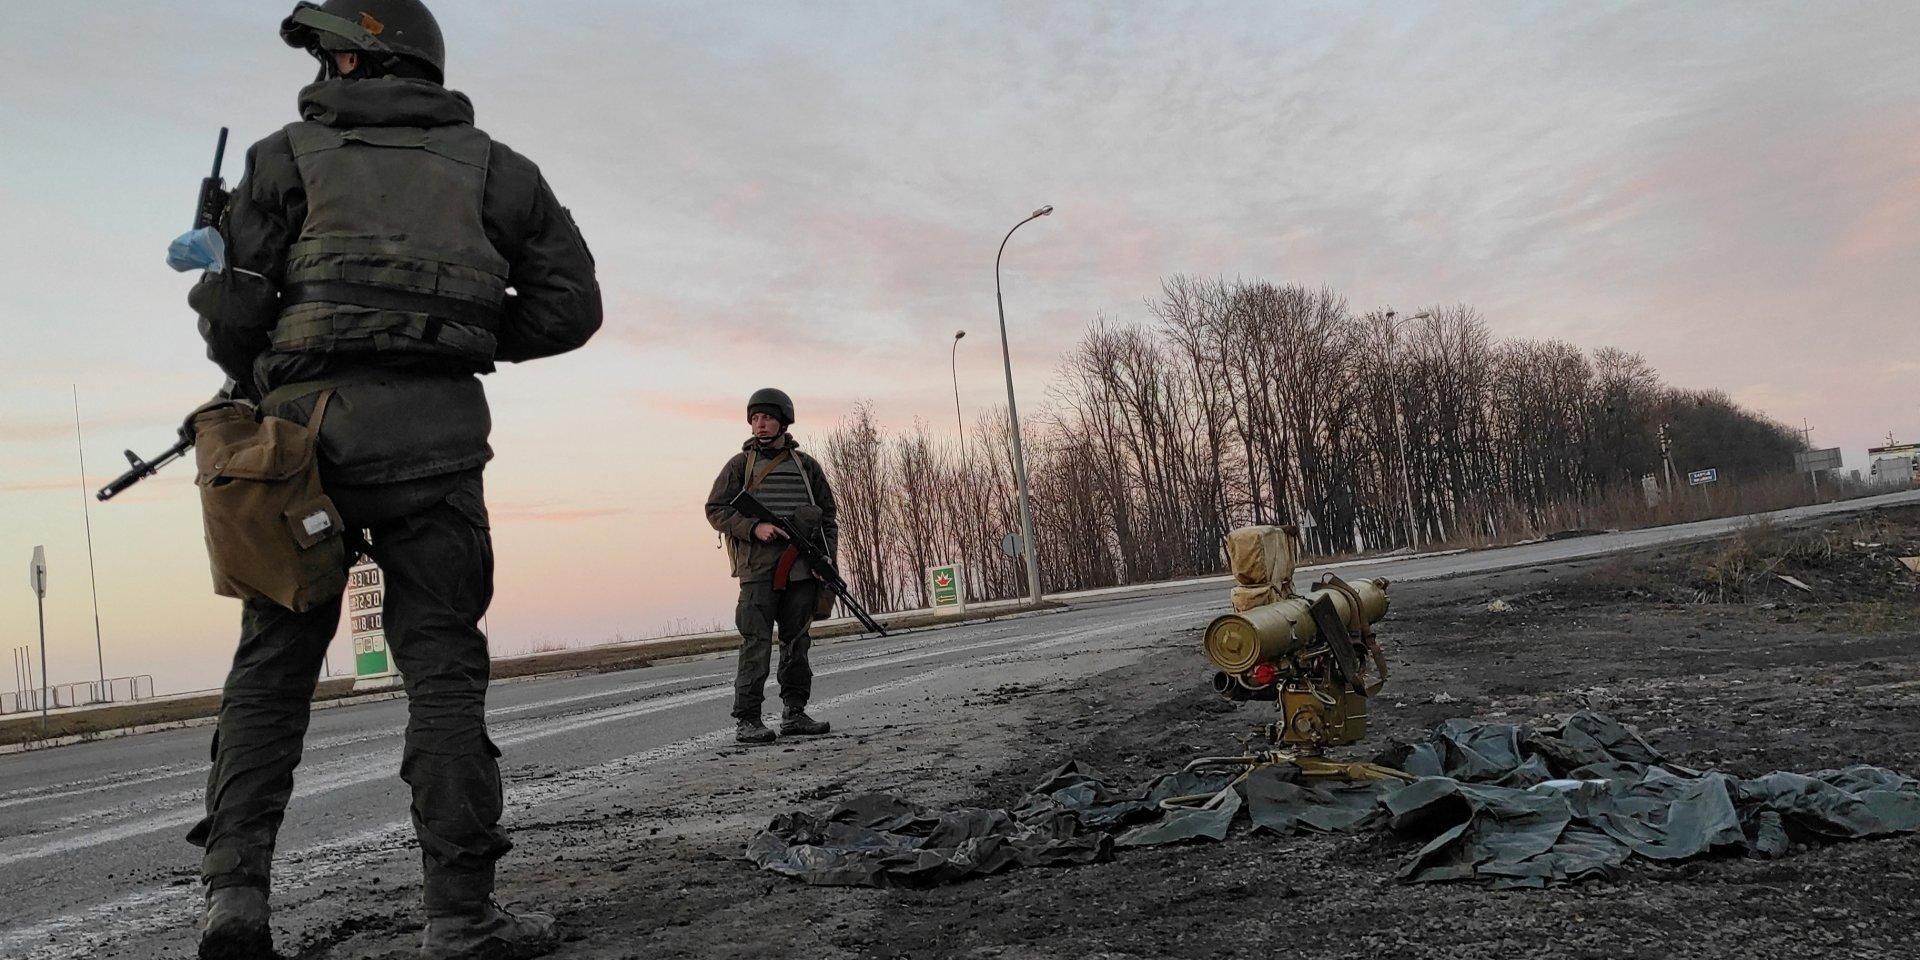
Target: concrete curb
116 733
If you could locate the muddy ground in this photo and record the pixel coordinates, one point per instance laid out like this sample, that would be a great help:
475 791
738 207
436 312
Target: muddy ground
1717 661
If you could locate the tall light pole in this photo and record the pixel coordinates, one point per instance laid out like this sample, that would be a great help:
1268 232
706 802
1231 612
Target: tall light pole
954 361
98 648
1013 412
1406 469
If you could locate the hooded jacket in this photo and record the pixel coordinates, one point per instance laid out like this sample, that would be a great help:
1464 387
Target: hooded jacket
397 415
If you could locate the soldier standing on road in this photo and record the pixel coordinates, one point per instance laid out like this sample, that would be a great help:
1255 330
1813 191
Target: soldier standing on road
776 590
382 252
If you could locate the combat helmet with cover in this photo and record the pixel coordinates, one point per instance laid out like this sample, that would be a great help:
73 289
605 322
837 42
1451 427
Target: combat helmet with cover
398 37
772 402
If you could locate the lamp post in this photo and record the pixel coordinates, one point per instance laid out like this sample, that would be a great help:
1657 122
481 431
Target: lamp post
99 649
1013 412
1399 409
953 360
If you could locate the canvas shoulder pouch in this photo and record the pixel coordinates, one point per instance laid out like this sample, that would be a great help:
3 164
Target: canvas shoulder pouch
272 533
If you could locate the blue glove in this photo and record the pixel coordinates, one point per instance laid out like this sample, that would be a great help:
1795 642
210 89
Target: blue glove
202 249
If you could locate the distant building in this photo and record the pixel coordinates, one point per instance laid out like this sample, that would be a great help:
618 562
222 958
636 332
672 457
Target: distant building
1894 465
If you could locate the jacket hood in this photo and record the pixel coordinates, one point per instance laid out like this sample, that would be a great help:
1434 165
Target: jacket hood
384 102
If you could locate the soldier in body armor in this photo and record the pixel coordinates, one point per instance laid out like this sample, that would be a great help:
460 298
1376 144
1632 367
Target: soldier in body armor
381 253
776 590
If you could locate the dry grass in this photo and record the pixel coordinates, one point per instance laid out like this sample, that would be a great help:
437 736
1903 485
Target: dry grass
1757 551
1627 509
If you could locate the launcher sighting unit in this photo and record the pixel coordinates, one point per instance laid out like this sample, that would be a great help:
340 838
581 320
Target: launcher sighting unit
1314 655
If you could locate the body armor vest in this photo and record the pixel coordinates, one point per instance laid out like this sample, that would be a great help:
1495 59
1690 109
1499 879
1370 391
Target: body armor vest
393 256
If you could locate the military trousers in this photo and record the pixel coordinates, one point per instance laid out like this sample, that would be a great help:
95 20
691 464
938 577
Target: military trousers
432 542
761 611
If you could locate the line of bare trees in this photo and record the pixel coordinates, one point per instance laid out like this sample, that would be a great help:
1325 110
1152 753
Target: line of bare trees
1254 402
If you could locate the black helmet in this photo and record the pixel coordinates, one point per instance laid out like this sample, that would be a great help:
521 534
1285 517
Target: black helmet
385 30
773 403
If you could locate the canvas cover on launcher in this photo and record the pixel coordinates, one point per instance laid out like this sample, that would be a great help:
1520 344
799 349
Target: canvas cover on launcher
1262 559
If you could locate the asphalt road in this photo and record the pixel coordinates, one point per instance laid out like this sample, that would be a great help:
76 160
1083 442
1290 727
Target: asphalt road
92 857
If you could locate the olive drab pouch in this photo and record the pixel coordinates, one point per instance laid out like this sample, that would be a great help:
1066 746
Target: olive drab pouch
272 534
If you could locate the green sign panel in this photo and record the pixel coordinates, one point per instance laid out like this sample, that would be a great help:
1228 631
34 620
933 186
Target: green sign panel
943 585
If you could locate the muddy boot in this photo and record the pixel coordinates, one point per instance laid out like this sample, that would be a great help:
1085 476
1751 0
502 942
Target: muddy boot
488 933
796 723
236 926
752 731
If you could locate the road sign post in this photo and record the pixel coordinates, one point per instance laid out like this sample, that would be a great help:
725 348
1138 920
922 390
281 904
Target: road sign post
37 577
945 592
366 603
1811 462
1701 478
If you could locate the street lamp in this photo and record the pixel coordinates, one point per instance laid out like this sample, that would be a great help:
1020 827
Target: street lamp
954 361
1399 410
1013 412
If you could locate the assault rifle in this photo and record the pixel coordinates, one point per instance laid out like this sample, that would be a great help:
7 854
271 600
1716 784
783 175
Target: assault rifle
818 563
207 211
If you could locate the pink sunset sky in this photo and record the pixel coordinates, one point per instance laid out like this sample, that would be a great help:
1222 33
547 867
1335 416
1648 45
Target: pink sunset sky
809 196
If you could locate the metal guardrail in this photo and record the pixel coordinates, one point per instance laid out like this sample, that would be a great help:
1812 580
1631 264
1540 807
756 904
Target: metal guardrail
90 693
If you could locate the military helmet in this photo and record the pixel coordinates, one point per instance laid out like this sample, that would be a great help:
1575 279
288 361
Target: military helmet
381 29
772 402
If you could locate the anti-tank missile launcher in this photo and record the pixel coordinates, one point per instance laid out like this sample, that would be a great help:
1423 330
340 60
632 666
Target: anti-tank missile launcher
1314 655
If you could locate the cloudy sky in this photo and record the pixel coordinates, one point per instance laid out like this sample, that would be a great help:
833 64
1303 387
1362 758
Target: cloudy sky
810 195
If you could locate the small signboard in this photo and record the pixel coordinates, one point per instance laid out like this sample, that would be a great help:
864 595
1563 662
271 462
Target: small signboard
1699 477
366 603
1011 545
37 572
1813 461
944 589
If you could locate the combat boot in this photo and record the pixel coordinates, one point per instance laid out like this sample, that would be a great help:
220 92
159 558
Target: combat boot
237 925
752 731
796 723
488 933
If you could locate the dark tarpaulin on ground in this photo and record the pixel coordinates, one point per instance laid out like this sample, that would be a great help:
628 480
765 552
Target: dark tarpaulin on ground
1493 802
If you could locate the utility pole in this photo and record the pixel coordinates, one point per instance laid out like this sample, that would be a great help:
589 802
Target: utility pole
1806 440
1666 455
93 580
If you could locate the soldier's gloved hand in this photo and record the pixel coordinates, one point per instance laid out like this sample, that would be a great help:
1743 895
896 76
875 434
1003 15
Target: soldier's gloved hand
202 249
767 533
